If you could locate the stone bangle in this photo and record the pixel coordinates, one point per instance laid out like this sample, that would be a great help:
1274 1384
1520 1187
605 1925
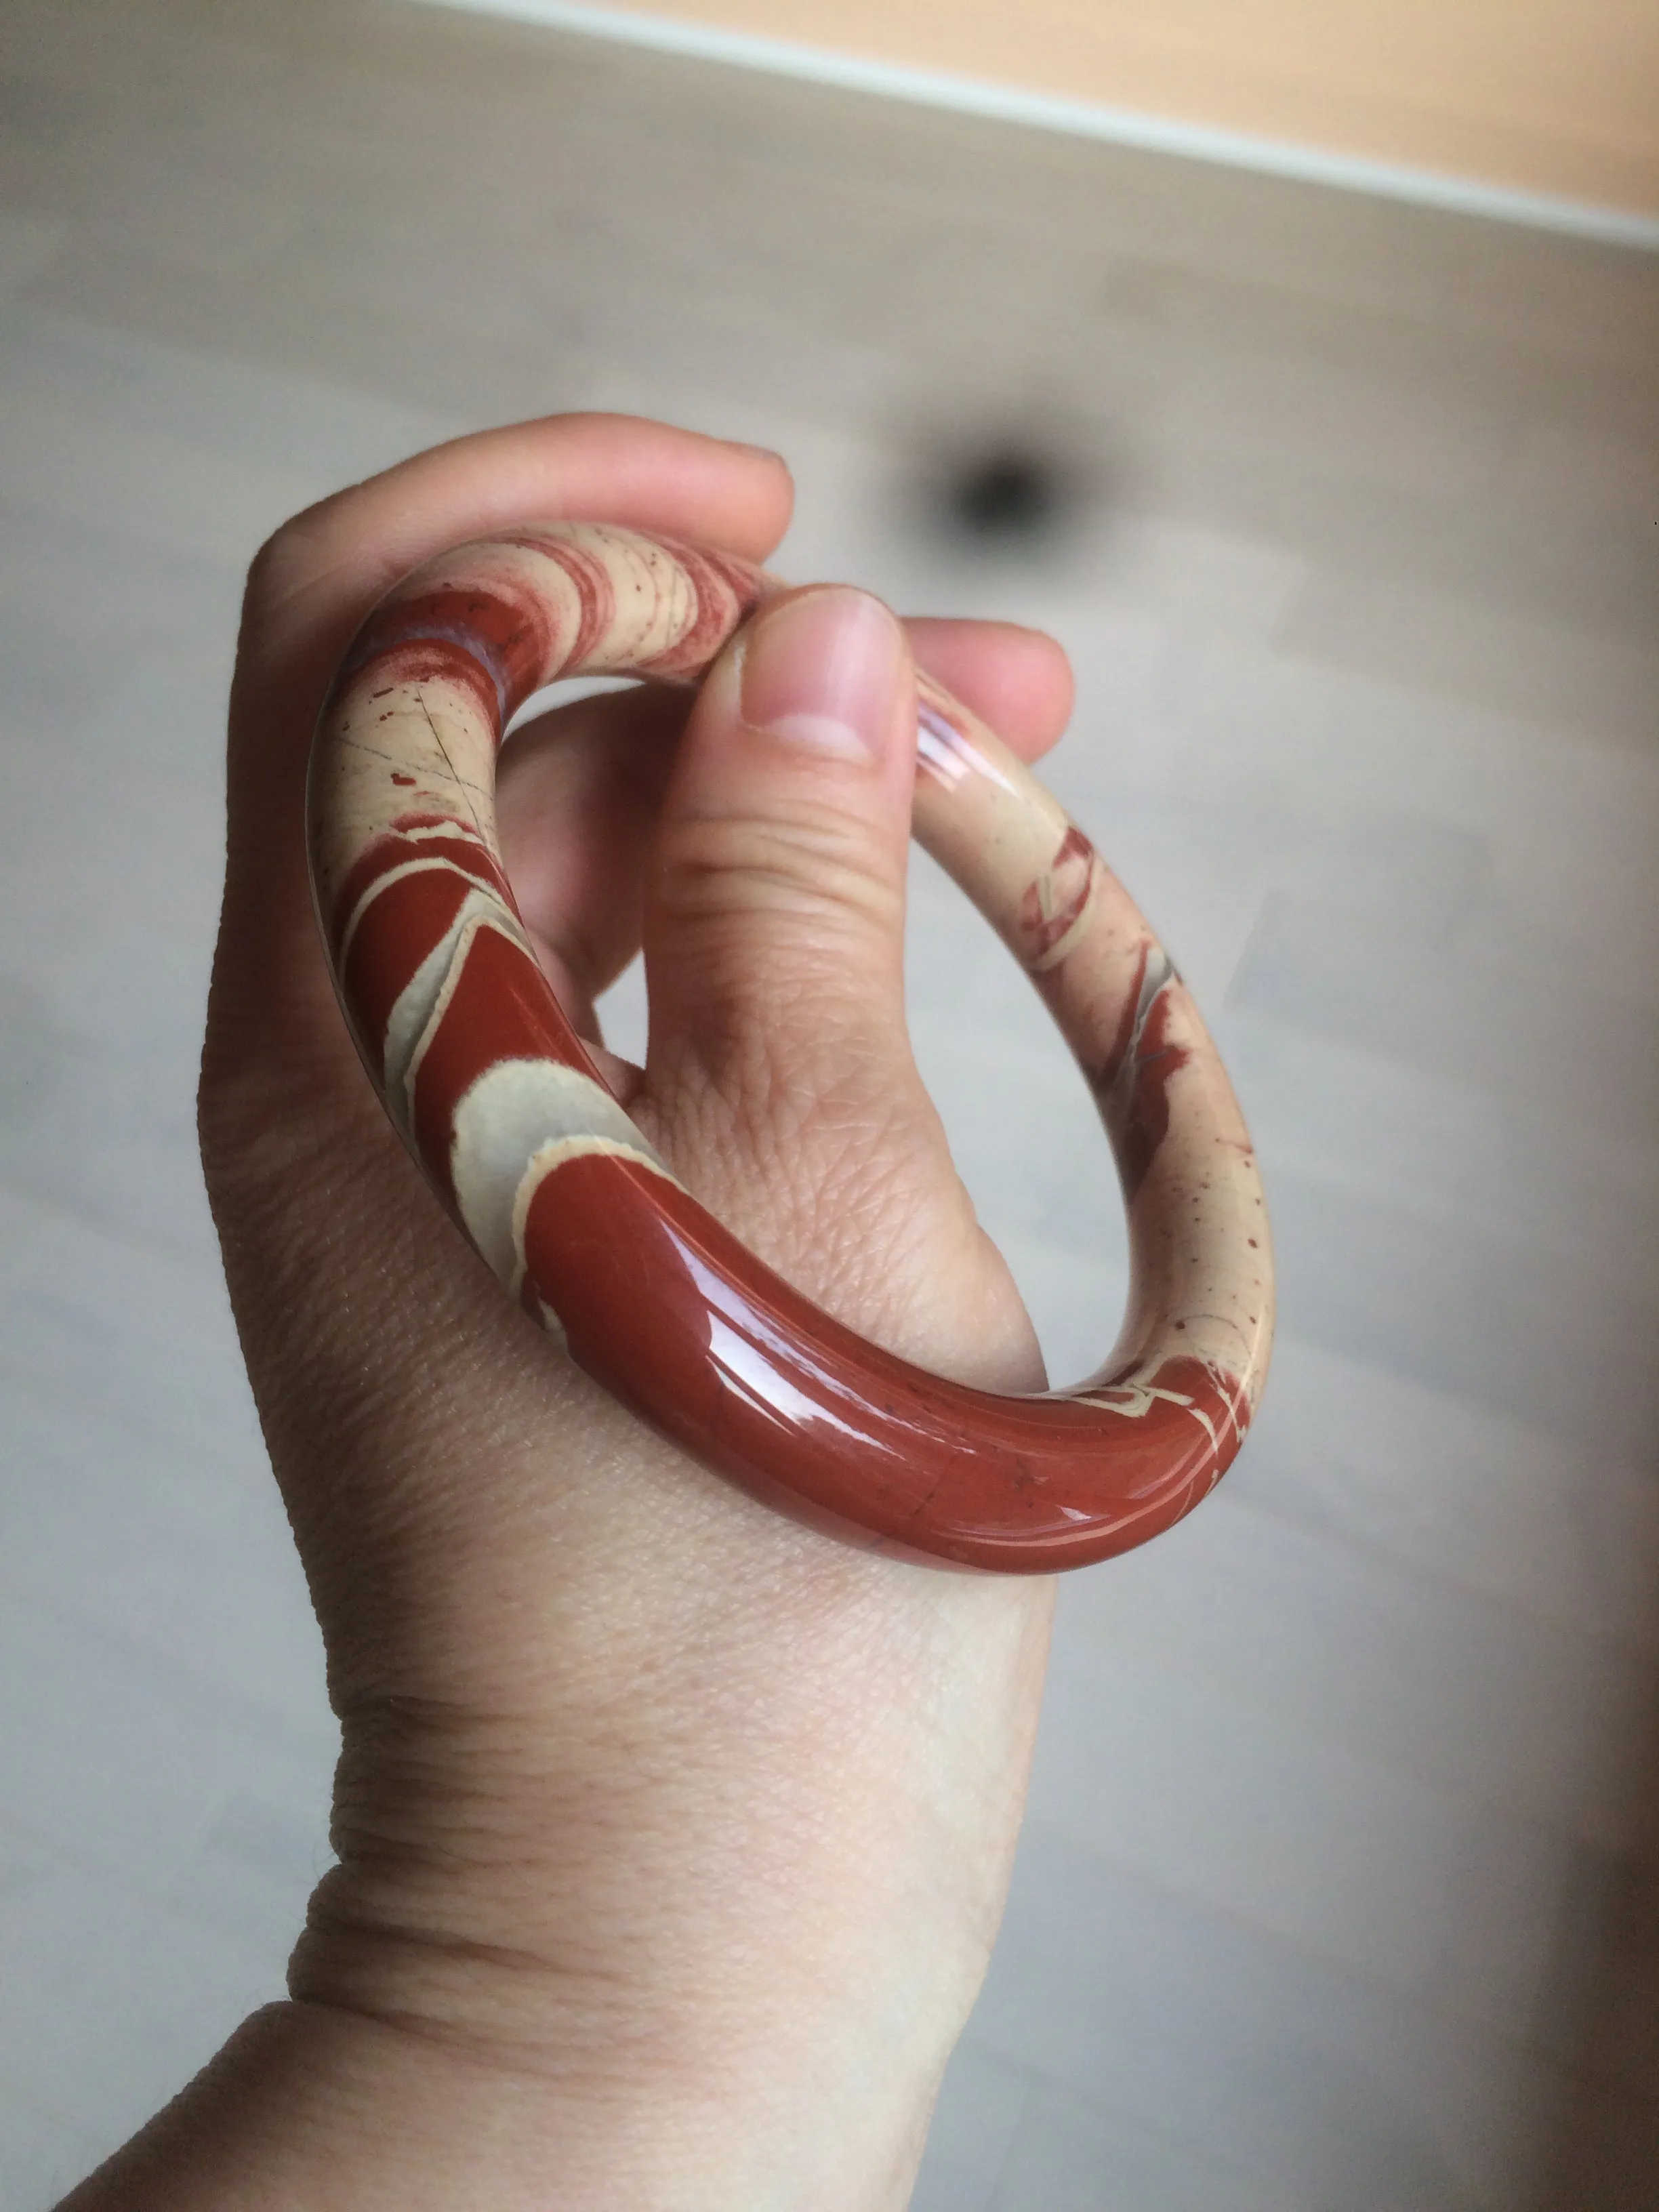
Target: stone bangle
497 1096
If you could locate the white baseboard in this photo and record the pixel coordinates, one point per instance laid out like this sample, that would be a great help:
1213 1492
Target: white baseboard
1082 119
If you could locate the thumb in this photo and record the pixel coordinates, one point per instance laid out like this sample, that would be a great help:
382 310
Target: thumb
773 928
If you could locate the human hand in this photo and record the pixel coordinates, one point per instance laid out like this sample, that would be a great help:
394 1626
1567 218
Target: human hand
672 1836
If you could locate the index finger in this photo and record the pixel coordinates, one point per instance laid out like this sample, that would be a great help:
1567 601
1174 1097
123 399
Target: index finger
313 581
327 566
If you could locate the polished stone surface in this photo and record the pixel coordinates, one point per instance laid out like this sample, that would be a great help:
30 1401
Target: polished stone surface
500 1100
1336 1895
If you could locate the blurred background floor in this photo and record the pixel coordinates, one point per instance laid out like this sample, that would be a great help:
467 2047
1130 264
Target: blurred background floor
1337 1893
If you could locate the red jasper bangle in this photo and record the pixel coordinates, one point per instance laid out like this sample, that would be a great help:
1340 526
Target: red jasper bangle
497 1098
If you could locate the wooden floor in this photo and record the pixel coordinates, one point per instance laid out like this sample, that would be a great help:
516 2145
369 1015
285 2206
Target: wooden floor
1337 1892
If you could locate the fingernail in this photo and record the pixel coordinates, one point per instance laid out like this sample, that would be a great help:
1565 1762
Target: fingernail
759 452
820 669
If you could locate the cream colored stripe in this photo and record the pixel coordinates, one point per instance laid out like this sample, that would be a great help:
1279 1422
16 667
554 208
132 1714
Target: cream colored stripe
547 1159
422 867
496 919
1064 947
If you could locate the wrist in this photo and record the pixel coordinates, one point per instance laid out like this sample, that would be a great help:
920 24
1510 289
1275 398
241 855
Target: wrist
310 2106
738 1952
751 2008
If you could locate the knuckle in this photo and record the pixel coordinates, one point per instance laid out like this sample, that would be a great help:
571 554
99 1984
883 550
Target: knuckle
817 868
278 554
295 551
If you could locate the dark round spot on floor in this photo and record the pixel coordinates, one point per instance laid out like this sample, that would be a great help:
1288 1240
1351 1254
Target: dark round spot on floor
1005 493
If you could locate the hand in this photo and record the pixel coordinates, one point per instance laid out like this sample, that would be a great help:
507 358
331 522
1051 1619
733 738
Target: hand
673 1836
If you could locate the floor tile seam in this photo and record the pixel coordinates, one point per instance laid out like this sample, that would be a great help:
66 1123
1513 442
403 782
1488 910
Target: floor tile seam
1582 1186
1438 690
109 538
153 1050
1499 1402
1147 2131
1119 2108
72 1852
1505 1608
509 357
1060 233
193 1270
236 1521
64 1018
1455 1801
1642 1651
23 1380
1278 2153
1330 505
69 2124
1529 1132
1447 1403
168 1428
1426 1212
1388 1754
1032 2082
1586 641
63 330
274 1727
285 482
60 410
1377 691
1431 1206
1397 1996
1636 1663
1462 363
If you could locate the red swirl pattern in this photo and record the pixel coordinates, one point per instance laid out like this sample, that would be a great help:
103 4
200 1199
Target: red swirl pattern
498 1099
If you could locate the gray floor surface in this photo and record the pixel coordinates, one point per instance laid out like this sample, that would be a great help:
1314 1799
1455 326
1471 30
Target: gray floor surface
1337 1892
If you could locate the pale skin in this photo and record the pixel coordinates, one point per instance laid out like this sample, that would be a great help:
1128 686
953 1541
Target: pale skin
673 1836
